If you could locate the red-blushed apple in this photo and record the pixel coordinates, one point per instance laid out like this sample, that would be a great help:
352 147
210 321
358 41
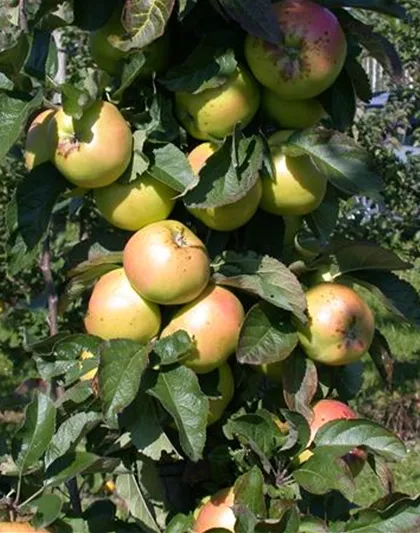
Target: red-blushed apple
340 325
167 263
92 151
117 311
291 114
21 527
133 205
37 148
214 113
228 217
308 58
216 512
226 389
213 321
328 410
297 188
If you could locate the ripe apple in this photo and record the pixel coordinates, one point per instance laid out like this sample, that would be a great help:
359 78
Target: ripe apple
291 114
227 217
226 388
110 58
329 410
19 527
213 113
117 311
298 187
134 205
340 327
37 149
308 58
93 151
213 320
216 512
166 263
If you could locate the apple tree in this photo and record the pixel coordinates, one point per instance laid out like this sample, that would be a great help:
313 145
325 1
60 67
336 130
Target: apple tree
203 152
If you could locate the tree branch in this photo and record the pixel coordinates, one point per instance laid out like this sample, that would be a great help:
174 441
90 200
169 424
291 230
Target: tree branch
45 266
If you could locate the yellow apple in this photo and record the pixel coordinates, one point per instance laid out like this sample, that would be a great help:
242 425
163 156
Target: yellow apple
298 187
291 114
228 217
134 205
117 311
92 151
37 148
214 113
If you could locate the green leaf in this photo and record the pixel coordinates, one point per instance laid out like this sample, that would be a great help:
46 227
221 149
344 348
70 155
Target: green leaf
359 78
14 114
381 355
249 491
69 434
180 523
349 380
98 260
310 524
173 348
299 431
256 17
91 17
325 472
208 66
339 101
131 69
47 509
344 435
144 21
147 435
32 439
14 47
68 466
267 335
169 165
136 502
261 276
122 363
344 163
228 174
388 7
398 295
300 383
323 220
180 394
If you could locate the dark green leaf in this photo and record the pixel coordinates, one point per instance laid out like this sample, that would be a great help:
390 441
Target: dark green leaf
32 439
180 523
349 380
359 78
47 509
121 366
249 491
131 69
388 7
323 220
298 431
14 47
179 393
339 101
262 276
91 16
68 466
380 353
173 348
267 335
169 165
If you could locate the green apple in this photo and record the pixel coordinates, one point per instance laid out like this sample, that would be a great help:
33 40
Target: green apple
291 114
226 388
214 113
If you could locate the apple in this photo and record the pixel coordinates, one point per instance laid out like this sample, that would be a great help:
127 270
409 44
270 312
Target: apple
213 320
228 217
37 149
308 58
298 187
134 205
273 371
340 325
328 410
217 512
214 113
226 388
116 310
110 58
92 151
19 527
291 114
167 263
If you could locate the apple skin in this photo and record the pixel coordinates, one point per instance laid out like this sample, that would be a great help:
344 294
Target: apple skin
132 206
213 113
273 371
217 512
298 187
93 151
20 527
341 325
308 59
167 263
213 320
292 114
117 311
328 410
110 58
228 217
37 148
226 388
